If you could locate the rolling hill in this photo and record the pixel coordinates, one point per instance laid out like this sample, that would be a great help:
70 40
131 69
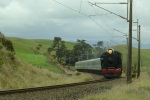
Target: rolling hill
25 49
144 55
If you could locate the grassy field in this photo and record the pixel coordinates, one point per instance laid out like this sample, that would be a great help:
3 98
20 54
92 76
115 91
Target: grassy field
27 45
25 49
144 55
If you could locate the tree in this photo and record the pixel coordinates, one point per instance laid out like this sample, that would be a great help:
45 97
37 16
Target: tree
62 52
70 58
100 44
38 48
98 48
59 47
82 50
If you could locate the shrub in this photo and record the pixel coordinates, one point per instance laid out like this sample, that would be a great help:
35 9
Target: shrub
1 47
9 45
133 75
77 73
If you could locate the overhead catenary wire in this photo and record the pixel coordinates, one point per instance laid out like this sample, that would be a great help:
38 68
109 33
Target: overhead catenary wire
70 8
114 29
80 5
134 9
107 10
84 15
103 20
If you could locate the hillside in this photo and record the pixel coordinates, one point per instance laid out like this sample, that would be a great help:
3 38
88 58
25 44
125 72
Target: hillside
16 72
144 55
26 50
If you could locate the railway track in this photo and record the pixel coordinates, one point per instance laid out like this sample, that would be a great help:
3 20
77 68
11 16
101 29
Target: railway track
57 92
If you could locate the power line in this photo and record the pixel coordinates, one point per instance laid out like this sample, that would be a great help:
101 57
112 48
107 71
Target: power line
80 5
106 22
70 8
107 10
99 25
134 9
84 15
110 3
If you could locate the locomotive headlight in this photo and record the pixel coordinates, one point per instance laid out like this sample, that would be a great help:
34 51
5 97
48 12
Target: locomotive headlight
110 51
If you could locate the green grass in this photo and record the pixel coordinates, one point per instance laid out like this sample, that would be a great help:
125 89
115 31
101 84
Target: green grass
40 61
144 55
27 45
25 49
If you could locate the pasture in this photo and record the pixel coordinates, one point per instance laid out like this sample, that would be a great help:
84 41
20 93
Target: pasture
26 50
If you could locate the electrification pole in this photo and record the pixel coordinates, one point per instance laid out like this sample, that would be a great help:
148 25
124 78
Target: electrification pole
129 76
138 39
139 56
127 70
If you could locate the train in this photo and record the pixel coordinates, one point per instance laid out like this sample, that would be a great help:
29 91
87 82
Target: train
109 64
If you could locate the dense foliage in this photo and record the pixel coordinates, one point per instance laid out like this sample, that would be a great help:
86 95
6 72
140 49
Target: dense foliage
80 51
7 43
7 52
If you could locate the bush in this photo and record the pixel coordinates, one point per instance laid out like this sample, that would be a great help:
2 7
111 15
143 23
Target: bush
77 73
1 47
134 75
9 45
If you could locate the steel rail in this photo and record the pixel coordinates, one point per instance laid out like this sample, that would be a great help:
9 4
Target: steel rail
50 87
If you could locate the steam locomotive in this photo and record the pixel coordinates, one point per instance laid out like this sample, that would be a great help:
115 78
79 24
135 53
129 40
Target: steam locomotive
109 64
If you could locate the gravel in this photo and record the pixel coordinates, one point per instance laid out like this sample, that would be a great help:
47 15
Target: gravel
71 93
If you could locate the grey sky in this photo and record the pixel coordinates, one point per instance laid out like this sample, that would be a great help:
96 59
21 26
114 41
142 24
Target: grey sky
70 20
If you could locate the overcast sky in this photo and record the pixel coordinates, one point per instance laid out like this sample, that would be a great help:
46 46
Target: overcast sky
72 19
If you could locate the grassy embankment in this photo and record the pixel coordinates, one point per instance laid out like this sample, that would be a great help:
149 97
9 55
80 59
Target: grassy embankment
139 89
30 69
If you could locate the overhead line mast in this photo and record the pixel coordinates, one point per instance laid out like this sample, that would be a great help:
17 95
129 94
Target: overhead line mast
129 76
139 52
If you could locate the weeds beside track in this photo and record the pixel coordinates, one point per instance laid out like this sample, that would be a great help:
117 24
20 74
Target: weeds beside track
70 91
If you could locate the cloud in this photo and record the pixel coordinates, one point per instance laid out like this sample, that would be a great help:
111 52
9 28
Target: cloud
4 3
71 20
